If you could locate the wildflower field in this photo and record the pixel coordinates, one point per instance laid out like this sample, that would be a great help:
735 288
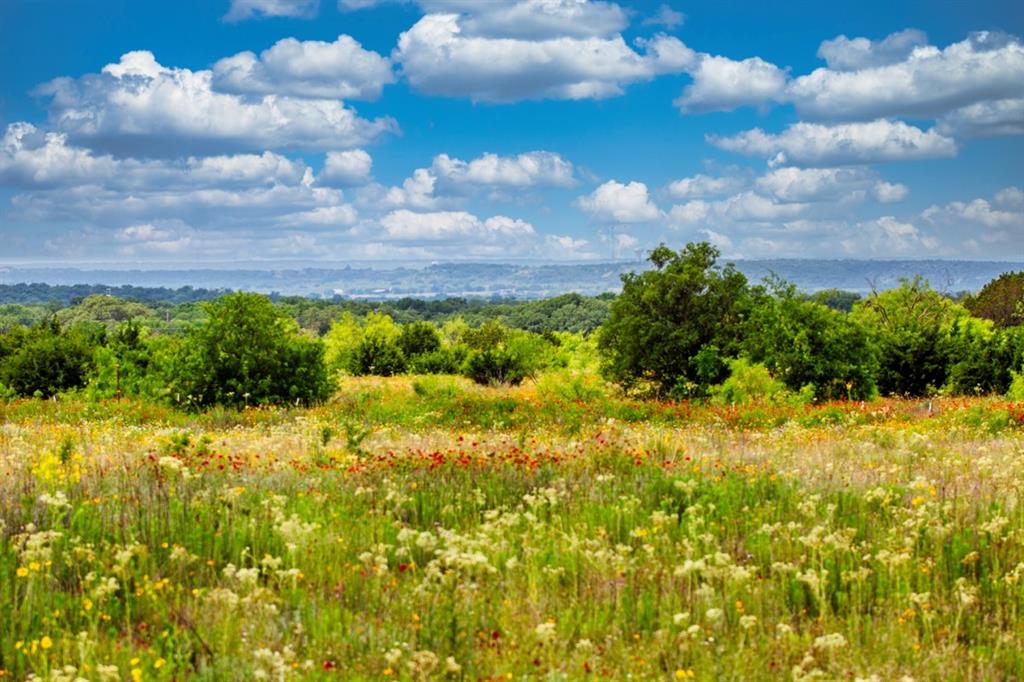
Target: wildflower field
426 528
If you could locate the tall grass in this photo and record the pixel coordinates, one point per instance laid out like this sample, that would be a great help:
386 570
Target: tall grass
441 531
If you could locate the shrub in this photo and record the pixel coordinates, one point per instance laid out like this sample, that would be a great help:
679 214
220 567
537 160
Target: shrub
753 383
673 326
377 355
911 327
247 352
499 365
418 338
45 360
803 343
445 360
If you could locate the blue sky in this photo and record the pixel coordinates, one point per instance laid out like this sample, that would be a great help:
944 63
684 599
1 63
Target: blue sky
350 130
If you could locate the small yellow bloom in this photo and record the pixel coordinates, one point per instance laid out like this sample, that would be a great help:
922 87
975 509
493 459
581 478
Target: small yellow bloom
159 663
22 572
34 566
136 675
46 642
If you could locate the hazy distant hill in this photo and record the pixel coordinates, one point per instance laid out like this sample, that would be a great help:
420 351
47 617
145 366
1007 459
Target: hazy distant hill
514 281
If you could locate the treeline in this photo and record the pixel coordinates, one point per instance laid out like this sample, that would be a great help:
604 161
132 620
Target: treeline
688 328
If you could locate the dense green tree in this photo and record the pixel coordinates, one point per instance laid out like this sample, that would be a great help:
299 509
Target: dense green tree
675 325
417 338
911 327
377 355
803 342
983 357
46 359
248 353
1001 300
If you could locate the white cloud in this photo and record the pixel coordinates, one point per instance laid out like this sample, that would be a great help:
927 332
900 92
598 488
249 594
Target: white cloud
928 83
438 58
417 191
312 68
888 237
888 193
821 184
667 17
448 225
164 237
723 84
817 144
690 213
350 167
1010 198
533 19
247 9
853 54
28 156
139 104
985 119
700 186
615 202
531 169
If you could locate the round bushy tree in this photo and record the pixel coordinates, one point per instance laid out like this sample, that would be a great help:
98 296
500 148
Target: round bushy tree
249 353
674 326
803 342
46 359
912 328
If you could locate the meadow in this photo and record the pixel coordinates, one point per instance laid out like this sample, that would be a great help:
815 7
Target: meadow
417 528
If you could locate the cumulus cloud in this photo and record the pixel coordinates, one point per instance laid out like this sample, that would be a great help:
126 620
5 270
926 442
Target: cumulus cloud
927 83
701 186
531 169
852 54
985 119
139 104
534 19
615 202
312 68
814 144
350 167
667 17
827 184
247 9
408 225
887 237
723 84
438 58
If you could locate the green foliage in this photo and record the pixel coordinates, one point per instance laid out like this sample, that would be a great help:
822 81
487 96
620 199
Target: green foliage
672 326
753 383
983 356
805 343
1016 389
46 359
836 299
377 355
911 327
1001 300
444 360
499 365
248 353
418 338
104 309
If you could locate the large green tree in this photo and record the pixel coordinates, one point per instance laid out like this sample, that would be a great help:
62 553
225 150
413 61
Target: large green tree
912 327
803 342
247 352
1001 300
673 326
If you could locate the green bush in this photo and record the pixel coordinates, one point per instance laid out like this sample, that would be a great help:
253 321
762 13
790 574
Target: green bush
377 355
803 343
247 352
46 359
418 338
911 327
499 365
753 383
673 326
444 360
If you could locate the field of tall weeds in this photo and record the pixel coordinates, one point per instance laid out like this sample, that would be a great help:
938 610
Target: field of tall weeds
418 529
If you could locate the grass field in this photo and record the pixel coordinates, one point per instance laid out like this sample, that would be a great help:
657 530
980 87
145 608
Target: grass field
430 529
